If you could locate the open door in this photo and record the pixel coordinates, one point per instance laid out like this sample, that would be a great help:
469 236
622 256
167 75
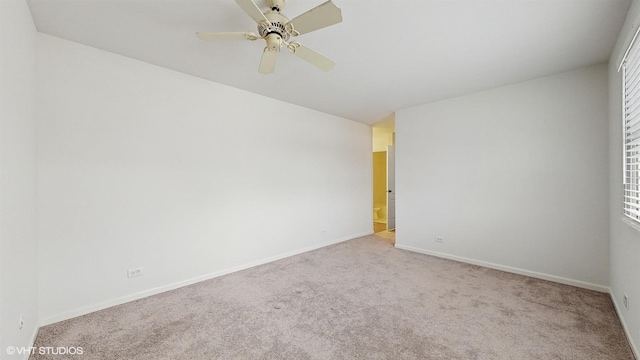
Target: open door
391 187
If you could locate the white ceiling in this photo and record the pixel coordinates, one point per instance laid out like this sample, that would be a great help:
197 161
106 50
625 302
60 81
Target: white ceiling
390 54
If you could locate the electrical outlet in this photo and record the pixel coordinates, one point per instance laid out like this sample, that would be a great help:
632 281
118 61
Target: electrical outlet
134 272
439 239
625 301
20 322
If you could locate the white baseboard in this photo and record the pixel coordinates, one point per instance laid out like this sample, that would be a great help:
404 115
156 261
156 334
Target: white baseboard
533 274
118 301
34 335
634 347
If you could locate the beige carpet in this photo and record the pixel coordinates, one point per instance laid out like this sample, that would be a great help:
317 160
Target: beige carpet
361 299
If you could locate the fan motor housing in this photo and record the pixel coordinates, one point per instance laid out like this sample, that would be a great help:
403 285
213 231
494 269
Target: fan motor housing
277 25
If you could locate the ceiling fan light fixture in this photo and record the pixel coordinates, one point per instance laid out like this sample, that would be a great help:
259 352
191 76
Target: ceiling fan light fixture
274 42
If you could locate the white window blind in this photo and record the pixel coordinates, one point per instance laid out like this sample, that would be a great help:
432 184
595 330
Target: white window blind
631 128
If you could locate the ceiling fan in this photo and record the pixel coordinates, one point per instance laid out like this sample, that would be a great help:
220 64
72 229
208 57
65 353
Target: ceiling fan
276 30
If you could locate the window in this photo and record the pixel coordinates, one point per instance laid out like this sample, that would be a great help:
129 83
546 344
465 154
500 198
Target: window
631 130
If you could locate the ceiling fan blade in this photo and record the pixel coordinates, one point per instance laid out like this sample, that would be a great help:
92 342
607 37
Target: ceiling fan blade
212 36
268 62
253 10
321 16
311 56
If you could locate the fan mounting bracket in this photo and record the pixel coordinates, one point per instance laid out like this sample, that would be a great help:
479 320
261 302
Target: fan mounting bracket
264 24
293 46
277 5
288 27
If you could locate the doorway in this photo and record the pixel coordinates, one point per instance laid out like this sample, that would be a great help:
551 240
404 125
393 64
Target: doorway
384 175
379 191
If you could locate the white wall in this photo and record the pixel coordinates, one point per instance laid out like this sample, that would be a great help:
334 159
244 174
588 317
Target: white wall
140 166
624 238
18 263
513 178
